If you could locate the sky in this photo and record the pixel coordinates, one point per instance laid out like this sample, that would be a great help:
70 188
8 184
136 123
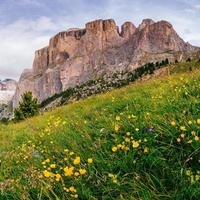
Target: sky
27 25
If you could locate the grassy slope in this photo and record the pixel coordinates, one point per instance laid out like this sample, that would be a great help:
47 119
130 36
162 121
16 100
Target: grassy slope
88 127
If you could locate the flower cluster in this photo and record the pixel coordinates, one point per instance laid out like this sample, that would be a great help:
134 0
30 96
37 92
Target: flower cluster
67 172
189 133
134 139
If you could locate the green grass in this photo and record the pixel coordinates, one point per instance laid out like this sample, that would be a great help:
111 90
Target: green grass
159 168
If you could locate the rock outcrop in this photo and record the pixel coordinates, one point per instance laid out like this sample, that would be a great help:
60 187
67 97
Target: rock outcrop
7 91
78 55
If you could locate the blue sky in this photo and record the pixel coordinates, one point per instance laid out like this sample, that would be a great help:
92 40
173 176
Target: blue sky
27 25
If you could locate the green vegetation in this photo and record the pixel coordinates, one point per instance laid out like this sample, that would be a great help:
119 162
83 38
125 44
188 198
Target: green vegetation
137 142
105 83
117 80
28 107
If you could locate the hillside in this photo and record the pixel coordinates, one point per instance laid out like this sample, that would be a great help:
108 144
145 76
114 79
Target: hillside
137 142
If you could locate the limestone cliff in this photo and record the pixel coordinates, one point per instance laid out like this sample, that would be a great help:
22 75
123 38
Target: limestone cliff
78 55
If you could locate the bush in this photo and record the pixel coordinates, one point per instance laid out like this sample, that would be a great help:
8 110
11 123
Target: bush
28 107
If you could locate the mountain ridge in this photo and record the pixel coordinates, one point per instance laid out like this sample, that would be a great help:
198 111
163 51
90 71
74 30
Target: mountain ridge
79 55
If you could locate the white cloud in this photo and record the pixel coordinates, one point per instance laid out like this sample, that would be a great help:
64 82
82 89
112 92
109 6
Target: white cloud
19 42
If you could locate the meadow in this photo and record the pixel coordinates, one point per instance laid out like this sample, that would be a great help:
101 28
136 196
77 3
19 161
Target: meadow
139 142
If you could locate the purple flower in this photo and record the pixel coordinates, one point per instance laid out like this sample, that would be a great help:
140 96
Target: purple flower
150 129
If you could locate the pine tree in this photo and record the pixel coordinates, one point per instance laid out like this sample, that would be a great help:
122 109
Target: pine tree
28 107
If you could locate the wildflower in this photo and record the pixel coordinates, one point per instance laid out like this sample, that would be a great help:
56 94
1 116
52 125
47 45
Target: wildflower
117 118
114 149
137 129
136 144
190 122
117 127
189 142
145 139
126 149
150 130
196 138
82 171
198 121
127 139
48 160
193 133
173 123
46 173
178 140
182 128
65 159
90 160
76 174
68 171
72 189
71 153
128 133
146 149
182 135
77 161
58 177
119 146
53 166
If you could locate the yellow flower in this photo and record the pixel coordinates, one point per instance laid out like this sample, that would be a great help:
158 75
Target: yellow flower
193 133
126 149
178 140
68 171
136 144
146 149
72 189
128 133
190 122
173 123
119 146
90 160
65 159
48 160
137 129
127 139
82 171
182 135
46 173
58 177
196 138
145 139
77 161
53 166
189 142
76 174
114 149
117 118
43 163
182 128
117 127
198 121
71 153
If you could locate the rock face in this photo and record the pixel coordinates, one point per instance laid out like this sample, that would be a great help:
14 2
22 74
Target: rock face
78 55
7 91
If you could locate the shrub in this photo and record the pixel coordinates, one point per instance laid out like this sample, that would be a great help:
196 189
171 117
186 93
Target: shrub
28 107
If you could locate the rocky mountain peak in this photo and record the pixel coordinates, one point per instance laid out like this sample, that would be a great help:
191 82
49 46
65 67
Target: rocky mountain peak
145 23
127 30
76 55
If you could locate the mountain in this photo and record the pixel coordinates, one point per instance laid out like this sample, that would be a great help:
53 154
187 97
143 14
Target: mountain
7 91
78 55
